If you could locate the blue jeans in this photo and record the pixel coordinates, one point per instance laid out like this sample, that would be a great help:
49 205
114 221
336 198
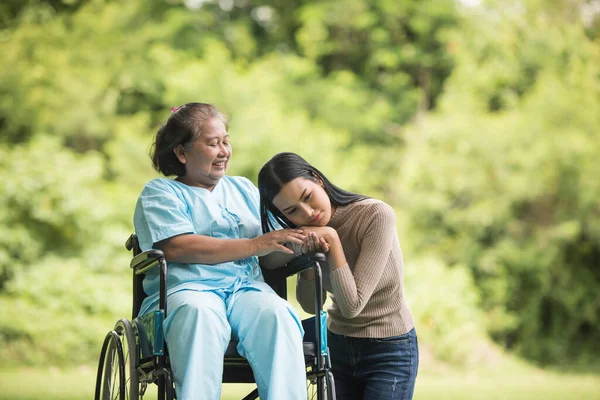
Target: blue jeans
374 369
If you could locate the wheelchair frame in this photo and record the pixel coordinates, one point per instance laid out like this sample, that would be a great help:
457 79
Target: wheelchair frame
134 353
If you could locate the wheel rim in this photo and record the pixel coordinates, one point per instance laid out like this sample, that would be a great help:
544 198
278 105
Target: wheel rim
117 375
130 359
111 378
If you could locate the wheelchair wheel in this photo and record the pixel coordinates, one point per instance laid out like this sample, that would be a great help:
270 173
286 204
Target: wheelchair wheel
117 377
321 388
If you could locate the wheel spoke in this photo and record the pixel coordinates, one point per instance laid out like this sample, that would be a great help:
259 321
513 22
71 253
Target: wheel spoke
311 389
126 364
115 378
110 377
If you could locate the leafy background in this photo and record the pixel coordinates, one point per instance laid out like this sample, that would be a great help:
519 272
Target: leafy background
478 121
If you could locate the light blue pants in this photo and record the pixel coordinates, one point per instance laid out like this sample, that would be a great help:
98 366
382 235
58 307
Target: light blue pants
200 325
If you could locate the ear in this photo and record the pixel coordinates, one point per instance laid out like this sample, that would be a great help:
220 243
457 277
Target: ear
180 153
318 180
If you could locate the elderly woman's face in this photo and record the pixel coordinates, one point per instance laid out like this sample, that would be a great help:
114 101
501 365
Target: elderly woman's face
207 157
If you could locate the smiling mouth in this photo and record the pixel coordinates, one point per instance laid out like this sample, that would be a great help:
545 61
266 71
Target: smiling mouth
220 163
316 218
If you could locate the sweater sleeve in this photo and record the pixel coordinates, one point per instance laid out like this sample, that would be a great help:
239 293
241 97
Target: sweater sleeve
353 288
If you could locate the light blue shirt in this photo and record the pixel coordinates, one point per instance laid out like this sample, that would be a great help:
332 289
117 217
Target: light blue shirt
168 208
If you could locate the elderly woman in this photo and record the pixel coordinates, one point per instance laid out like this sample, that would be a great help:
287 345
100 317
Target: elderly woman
208 226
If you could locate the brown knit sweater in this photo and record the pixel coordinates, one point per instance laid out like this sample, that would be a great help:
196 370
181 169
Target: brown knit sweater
368 293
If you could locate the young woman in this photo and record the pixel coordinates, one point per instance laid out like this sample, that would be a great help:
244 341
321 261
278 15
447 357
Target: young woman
207 224
371 335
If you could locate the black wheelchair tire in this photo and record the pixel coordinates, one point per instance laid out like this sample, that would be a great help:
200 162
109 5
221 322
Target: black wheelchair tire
131 358
117 377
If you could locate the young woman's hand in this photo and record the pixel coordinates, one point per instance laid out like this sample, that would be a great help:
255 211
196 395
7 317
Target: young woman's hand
327 237
313 243
328 242
320 239
280 240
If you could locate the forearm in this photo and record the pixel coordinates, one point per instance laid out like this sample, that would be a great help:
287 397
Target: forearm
199 249
354 287
335 256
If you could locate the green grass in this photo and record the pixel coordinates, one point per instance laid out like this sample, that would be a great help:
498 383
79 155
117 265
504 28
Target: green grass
510 381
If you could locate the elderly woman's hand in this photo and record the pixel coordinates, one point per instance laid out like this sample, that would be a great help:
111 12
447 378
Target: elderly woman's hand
277 241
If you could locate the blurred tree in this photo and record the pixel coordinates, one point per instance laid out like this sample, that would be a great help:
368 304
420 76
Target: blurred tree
504 178
394 56
83 93
399 49
85 84
12 11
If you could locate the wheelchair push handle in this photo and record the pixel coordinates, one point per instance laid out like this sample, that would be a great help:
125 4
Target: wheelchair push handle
142 260
131 242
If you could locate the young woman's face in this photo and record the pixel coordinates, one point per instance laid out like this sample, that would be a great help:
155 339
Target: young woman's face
304 202
207 157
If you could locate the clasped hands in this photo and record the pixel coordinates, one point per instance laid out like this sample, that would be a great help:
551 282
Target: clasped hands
316 239
305 239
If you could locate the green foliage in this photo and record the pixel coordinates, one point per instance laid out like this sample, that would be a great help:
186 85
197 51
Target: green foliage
45 197
444 303
513 194
501 180
62 277
77 123
398 48
57 311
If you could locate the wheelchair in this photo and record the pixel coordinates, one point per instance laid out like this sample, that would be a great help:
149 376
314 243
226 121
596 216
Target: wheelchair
134 353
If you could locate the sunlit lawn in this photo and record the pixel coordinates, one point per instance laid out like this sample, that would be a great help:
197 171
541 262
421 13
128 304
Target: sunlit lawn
507 382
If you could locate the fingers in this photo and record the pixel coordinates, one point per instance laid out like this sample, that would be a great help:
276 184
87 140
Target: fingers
294 239
294 233
314 241
287 235
311 243
277 241
297 241
285 249
308 244
324 245
304 248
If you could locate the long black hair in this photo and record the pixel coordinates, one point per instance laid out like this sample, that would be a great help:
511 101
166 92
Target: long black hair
283 168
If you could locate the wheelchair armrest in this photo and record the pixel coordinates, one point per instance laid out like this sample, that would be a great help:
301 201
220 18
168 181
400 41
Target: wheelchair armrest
298 264
142 263
146 260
